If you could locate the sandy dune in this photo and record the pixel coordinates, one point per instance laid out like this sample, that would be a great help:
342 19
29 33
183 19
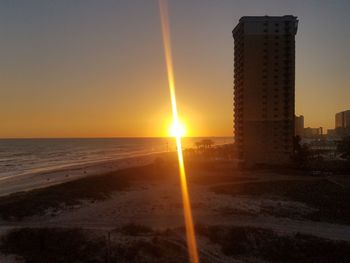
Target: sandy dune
29 181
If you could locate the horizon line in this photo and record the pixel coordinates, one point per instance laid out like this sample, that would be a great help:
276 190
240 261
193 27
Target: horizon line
116 137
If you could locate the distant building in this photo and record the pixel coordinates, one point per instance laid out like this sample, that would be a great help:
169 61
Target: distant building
342 119
299 125
313 133
264 79
306 133
342 123
331 133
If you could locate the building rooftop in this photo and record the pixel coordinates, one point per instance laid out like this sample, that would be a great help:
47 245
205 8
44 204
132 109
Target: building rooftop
344 111
264 18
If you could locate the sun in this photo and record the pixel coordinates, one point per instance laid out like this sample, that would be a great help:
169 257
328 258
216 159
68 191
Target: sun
177 129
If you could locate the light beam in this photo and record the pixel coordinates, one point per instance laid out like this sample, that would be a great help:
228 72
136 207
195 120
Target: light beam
190 233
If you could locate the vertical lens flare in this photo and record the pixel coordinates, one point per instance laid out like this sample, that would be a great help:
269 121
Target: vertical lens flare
190 234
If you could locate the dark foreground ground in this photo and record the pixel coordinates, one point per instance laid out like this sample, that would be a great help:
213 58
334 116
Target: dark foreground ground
135 215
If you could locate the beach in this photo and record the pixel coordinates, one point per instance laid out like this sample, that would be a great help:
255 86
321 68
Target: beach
34 180
140 199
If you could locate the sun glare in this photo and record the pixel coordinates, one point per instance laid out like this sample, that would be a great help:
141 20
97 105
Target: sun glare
177 130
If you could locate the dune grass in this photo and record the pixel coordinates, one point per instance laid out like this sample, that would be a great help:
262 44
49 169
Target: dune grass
35 202
255 244
58 245
331 200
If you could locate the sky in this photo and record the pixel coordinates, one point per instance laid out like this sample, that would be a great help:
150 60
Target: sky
88 68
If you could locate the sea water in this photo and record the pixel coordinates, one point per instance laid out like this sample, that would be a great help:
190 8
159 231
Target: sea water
21 156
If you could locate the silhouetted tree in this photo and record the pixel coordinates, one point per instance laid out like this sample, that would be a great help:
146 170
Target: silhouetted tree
343 148
199 145
207 143
204 144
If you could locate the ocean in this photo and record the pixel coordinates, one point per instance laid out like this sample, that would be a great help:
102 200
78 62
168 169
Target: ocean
22 156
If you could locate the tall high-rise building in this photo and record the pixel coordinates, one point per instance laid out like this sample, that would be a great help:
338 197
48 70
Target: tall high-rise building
342 123
342 119
264 77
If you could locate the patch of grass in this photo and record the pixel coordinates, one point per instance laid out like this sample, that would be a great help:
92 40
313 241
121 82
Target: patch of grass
217 179
209 165
331 200
53 245
19 205
74 245
134 230
248 242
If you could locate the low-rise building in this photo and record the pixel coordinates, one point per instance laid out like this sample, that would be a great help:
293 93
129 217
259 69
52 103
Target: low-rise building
312 132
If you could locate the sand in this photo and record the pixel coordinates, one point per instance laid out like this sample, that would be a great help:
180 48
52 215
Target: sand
157 203
35 180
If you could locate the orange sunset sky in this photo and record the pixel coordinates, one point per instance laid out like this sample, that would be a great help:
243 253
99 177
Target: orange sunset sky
96 68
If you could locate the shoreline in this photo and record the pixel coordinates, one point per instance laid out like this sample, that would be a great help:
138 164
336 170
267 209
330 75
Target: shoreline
45 177
42 179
